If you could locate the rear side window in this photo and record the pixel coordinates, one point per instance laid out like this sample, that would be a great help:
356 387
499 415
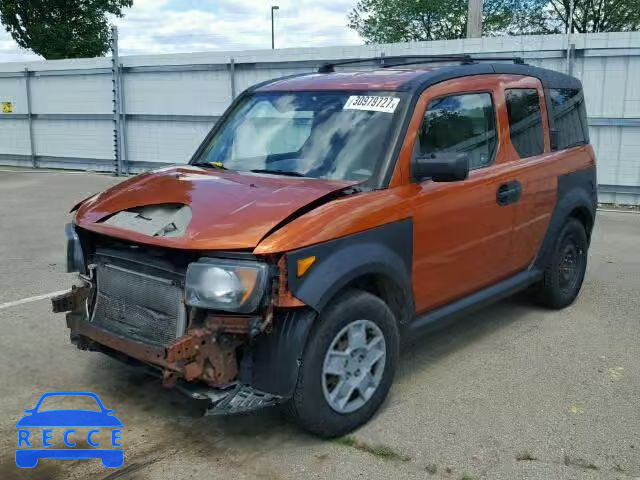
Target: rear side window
525 121
568 117
460 123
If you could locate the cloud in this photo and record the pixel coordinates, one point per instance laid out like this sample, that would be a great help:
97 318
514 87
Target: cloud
172 26
11 52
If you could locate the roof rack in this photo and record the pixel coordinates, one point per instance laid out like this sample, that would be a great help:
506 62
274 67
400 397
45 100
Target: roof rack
464 59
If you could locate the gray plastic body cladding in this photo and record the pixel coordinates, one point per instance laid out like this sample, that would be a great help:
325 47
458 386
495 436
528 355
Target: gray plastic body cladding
575 190
386 250
274 358
443 316
549 78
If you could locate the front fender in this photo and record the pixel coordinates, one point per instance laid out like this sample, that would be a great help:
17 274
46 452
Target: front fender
386 250
272 362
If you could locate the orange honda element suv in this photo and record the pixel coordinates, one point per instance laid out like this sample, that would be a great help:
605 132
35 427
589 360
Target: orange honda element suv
328 215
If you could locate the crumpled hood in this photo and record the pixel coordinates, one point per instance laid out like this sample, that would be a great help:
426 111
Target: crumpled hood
229 210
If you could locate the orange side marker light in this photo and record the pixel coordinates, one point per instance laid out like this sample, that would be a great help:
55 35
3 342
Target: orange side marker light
304 264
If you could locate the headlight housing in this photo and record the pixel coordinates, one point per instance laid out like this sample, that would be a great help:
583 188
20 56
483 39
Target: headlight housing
230 285
75 256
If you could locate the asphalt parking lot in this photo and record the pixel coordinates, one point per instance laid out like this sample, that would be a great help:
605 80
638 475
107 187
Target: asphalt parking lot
513 392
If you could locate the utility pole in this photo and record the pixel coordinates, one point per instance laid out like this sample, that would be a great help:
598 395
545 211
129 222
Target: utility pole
474 19
273 37
569 32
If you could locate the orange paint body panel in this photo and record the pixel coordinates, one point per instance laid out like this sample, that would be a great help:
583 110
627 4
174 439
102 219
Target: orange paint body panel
365 81
463 241
229 210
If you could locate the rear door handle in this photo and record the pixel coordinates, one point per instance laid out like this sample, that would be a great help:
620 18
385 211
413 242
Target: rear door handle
508 193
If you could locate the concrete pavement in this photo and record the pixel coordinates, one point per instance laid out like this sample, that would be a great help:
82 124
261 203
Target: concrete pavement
512 392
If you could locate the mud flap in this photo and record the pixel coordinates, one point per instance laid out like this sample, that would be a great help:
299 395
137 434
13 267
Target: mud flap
275 358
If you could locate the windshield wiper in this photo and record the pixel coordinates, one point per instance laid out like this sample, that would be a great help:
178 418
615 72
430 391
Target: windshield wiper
279 172
218 165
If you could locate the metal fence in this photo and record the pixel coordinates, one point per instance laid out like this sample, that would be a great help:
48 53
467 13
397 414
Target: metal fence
128 114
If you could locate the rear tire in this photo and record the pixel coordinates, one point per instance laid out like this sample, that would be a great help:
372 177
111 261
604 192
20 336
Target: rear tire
564 274
331 405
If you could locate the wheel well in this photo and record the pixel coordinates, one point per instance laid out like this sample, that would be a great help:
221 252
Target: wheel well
583 215
389 291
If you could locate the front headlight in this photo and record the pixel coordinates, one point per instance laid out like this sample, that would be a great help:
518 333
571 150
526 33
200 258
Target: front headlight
231 285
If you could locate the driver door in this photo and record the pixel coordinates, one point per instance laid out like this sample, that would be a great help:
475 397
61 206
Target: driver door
462 230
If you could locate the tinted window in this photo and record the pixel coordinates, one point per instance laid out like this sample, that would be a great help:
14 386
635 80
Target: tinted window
569 117
460 123
525 121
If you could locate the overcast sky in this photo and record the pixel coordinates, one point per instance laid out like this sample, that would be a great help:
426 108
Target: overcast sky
167 26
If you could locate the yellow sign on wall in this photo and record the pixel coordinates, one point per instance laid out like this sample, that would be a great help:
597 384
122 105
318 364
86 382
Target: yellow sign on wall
7 107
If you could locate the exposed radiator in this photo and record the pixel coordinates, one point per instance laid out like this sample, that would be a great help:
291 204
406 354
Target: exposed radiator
137 305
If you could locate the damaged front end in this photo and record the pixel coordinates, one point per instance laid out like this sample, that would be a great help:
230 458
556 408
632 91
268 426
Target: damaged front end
220 327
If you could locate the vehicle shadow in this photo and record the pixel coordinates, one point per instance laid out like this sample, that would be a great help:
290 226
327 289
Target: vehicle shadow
159 419
419 352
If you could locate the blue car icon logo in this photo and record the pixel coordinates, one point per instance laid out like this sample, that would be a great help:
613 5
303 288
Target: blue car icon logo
31 449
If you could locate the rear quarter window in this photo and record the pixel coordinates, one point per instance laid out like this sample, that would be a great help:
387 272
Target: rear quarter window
525 121
568 117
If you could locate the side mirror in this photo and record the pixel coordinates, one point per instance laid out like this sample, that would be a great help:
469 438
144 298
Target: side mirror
553 138
441 167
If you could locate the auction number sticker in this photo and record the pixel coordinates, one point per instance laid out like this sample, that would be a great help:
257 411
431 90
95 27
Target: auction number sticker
372 103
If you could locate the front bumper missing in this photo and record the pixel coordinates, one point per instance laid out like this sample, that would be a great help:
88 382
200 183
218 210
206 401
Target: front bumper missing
194 357
233 400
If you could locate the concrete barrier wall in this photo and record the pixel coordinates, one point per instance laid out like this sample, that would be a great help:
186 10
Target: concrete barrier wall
63 110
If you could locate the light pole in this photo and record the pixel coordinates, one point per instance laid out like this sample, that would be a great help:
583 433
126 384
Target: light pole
273 38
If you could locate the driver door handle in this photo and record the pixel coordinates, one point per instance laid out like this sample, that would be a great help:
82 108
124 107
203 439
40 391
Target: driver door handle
509 193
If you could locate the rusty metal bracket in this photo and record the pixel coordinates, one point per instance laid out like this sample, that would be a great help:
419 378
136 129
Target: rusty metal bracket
71 300
233 324
203 357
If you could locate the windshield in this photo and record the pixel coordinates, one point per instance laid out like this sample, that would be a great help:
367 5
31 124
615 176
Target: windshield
331 135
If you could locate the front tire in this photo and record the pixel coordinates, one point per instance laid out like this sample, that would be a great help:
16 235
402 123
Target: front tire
563 276
348 365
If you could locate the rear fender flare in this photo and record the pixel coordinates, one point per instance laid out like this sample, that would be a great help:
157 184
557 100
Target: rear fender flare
575 190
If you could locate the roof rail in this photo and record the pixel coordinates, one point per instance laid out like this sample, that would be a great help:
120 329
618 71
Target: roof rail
329 67
464 59
516 60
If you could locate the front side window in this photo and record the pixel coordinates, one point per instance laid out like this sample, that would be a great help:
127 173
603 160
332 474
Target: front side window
525 121
460 124
568 117
331 135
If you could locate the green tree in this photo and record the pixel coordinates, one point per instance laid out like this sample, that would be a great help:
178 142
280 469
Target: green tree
61 28
386 21
592 16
